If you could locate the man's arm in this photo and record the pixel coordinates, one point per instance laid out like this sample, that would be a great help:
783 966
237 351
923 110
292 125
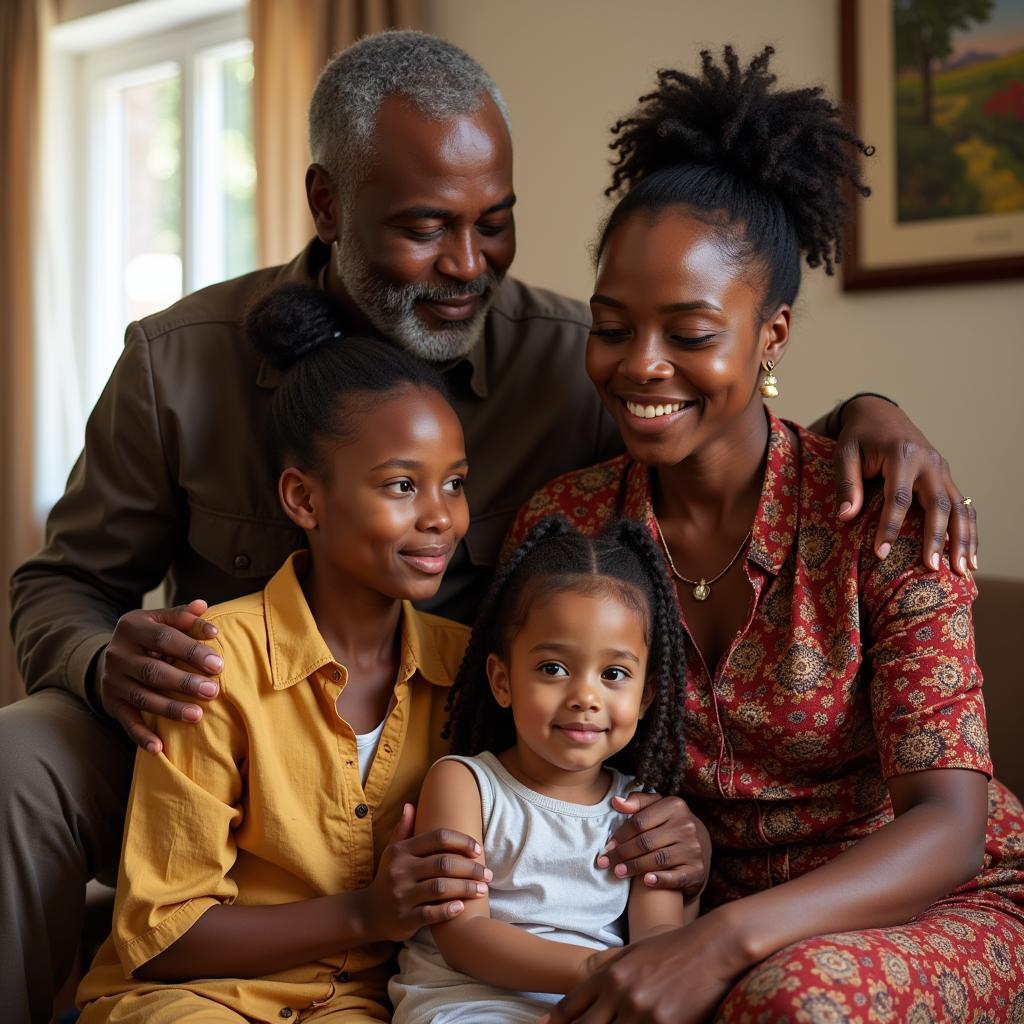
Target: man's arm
876 438
109 539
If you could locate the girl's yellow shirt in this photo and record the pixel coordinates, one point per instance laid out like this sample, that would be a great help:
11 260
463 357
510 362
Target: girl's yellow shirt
261 802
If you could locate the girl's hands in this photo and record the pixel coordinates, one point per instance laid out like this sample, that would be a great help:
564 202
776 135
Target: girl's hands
663 841
678 977
421 881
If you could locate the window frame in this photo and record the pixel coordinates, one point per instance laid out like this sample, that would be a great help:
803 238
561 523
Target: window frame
81 336
183 46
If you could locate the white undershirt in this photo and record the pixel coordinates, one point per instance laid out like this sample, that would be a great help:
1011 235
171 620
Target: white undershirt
366 748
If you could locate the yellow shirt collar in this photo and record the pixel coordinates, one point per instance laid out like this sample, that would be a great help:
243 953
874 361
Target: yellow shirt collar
297 649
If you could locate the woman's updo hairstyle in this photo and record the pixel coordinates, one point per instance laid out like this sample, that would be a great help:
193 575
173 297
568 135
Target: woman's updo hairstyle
766 167
328 379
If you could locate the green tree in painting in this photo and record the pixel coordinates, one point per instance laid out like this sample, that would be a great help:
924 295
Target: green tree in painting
924 30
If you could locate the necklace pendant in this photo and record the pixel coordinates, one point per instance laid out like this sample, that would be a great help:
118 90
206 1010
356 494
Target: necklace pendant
702 591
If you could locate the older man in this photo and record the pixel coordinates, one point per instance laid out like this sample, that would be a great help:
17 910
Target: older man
411 194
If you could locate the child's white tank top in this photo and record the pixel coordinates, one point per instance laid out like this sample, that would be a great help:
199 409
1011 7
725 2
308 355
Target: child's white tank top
543 853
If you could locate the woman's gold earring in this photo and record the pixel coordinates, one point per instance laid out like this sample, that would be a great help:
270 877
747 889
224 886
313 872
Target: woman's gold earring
769 382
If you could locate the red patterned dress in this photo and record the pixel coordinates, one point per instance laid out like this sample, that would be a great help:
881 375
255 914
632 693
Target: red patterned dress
848 671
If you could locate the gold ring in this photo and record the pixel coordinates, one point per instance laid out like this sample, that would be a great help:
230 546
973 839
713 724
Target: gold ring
968 501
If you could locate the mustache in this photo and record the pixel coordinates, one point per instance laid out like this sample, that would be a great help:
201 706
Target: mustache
446 293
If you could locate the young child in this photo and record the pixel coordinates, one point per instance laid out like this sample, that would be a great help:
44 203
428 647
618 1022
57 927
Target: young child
575 665
250 874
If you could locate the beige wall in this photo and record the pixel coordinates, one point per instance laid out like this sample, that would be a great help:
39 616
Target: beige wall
952 356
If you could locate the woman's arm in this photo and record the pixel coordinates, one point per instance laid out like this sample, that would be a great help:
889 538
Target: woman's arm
929 725
491 951
935 843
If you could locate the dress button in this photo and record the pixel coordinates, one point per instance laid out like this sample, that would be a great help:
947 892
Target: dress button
362 810
287 1012
242 561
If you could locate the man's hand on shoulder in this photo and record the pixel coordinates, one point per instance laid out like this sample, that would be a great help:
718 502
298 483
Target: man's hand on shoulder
135 674
877 437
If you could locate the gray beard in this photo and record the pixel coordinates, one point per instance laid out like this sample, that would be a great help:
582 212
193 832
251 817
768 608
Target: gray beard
392 308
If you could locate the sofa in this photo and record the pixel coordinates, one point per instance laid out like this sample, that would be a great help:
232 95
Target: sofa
998 614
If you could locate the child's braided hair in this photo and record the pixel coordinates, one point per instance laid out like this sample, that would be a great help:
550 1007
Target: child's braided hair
622 562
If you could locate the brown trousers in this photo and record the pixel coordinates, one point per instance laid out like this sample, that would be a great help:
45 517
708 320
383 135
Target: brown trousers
64 780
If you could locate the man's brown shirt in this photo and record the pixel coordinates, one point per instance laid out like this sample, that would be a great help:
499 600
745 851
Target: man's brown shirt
175 481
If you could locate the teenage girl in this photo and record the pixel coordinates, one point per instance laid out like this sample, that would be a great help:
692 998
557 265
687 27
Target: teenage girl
572 674
250 877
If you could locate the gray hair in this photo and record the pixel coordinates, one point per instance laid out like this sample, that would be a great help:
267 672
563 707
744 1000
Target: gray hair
438 78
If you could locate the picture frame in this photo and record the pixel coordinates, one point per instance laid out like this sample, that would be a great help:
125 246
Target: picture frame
895 238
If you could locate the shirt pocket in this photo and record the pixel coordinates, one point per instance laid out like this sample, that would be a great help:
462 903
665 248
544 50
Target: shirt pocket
241 546
486 535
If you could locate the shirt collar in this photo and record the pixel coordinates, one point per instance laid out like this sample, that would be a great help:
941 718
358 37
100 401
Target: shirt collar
476 359
775 520
297 650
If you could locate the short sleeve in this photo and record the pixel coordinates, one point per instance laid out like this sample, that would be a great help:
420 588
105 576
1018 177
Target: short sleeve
926 699
179 845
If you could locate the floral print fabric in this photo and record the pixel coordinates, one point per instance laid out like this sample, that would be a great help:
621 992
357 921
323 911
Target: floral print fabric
849 670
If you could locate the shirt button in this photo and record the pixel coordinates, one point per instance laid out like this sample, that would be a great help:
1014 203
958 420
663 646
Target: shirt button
362 810
286 1012
241 561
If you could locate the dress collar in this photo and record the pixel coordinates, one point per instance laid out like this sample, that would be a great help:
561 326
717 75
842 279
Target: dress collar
775 520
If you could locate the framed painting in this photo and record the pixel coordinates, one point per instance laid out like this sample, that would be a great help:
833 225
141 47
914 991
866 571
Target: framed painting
937 87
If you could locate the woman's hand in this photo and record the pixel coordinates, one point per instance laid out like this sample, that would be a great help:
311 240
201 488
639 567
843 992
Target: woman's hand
876 437
421 880
596 961
663 841
678 977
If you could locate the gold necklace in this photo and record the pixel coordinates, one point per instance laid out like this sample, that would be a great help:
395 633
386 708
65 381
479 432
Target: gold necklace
701 587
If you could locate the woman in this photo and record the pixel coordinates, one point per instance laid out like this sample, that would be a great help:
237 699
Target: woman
836 745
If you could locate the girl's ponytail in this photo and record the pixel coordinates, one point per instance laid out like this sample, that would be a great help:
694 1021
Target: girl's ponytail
328 376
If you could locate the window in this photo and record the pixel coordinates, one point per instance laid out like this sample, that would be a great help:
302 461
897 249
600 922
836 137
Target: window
152 181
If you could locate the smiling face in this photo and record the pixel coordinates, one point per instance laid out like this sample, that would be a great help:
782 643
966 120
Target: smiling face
388 510
574 677
677 337
421 245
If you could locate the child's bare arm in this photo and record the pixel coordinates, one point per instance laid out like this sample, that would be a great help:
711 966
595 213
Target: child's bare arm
657 910
491 951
